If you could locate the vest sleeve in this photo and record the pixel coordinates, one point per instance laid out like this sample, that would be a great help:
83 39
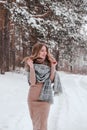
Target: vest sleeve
28 78
57 84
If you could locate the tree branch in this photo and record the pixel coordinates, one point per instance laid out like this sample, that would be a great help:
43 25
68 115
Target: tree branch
43 15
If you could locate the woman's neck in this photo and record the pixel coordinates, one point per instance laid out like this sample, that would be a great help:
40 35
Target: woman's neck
41 61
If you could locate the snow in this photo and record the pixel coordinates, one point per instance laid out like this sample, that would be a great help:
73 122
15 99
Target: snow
83 30
1 1
69 111
18 1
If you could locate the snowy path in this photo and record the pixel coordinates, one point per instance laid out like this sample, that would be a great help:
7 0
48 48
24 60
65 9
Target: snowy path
72 112
69 111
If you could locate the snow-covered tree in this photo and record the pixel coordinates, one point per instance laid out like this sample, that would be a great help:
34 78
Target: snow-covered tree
60 23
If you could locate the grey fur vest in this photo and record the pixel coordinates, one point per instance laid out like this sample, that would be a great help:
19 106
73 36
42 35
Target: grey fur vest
42 73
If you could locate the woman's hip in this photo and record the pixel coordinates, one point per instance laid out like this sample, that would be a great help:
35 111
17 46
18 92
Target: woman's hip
34 92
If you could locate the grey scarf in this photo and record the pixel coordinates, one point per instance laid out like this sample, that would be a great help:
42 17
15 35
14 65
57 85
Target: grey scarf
42 73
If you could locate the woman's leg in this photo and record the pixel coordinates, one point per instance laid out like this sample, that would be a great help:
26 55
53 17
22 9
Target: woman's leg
39 112
44 116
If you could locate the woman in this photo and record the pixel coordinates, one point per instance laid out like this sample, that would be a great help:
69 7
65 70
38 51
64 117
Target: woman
41 66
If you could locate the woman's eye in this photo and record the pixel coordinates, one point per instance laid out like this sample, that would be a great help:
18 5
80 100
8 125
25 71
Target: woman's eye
42 50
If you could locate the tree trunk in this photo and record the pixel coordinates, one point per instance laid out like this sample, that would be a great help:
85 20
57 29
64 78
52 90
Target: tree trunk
6 40
2 52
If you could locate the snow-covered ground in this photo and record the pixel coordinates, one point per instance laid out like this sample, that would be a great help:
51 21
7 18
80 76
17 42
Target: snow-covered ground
69 111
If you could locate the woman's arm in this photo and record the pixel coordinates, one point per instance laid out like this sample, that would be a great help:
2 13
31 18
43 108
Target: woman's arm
52 74
53 69
32 77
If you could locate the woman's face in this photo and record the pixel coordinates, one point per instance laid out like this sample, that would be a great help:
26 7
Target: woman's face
43 52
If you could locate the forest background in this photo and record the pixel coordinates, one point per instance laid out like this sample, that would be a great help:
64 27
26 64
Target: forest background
62 24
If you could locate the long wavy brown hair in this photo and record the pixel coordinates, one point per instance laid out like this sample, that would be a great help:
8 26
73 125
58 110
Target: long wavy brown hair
35 51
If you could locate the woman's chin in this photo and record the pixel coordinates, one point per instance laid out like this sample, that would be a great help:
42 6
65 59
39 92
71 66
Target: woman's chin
43 58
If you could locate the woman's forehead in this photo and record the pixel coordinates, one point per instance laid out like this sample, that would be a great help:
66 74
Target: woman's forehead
43 48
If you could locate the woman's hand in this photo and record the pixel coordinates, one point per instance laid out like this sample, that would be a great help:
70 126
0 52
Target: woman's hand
30 63
32 77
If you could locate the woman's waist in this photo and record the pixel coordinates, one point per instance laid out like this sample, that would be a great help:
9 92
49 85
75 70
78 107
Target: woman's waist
37 84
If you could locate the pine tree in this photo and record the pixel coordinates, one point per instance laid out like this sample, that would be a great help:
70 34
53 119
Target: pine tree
57 22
